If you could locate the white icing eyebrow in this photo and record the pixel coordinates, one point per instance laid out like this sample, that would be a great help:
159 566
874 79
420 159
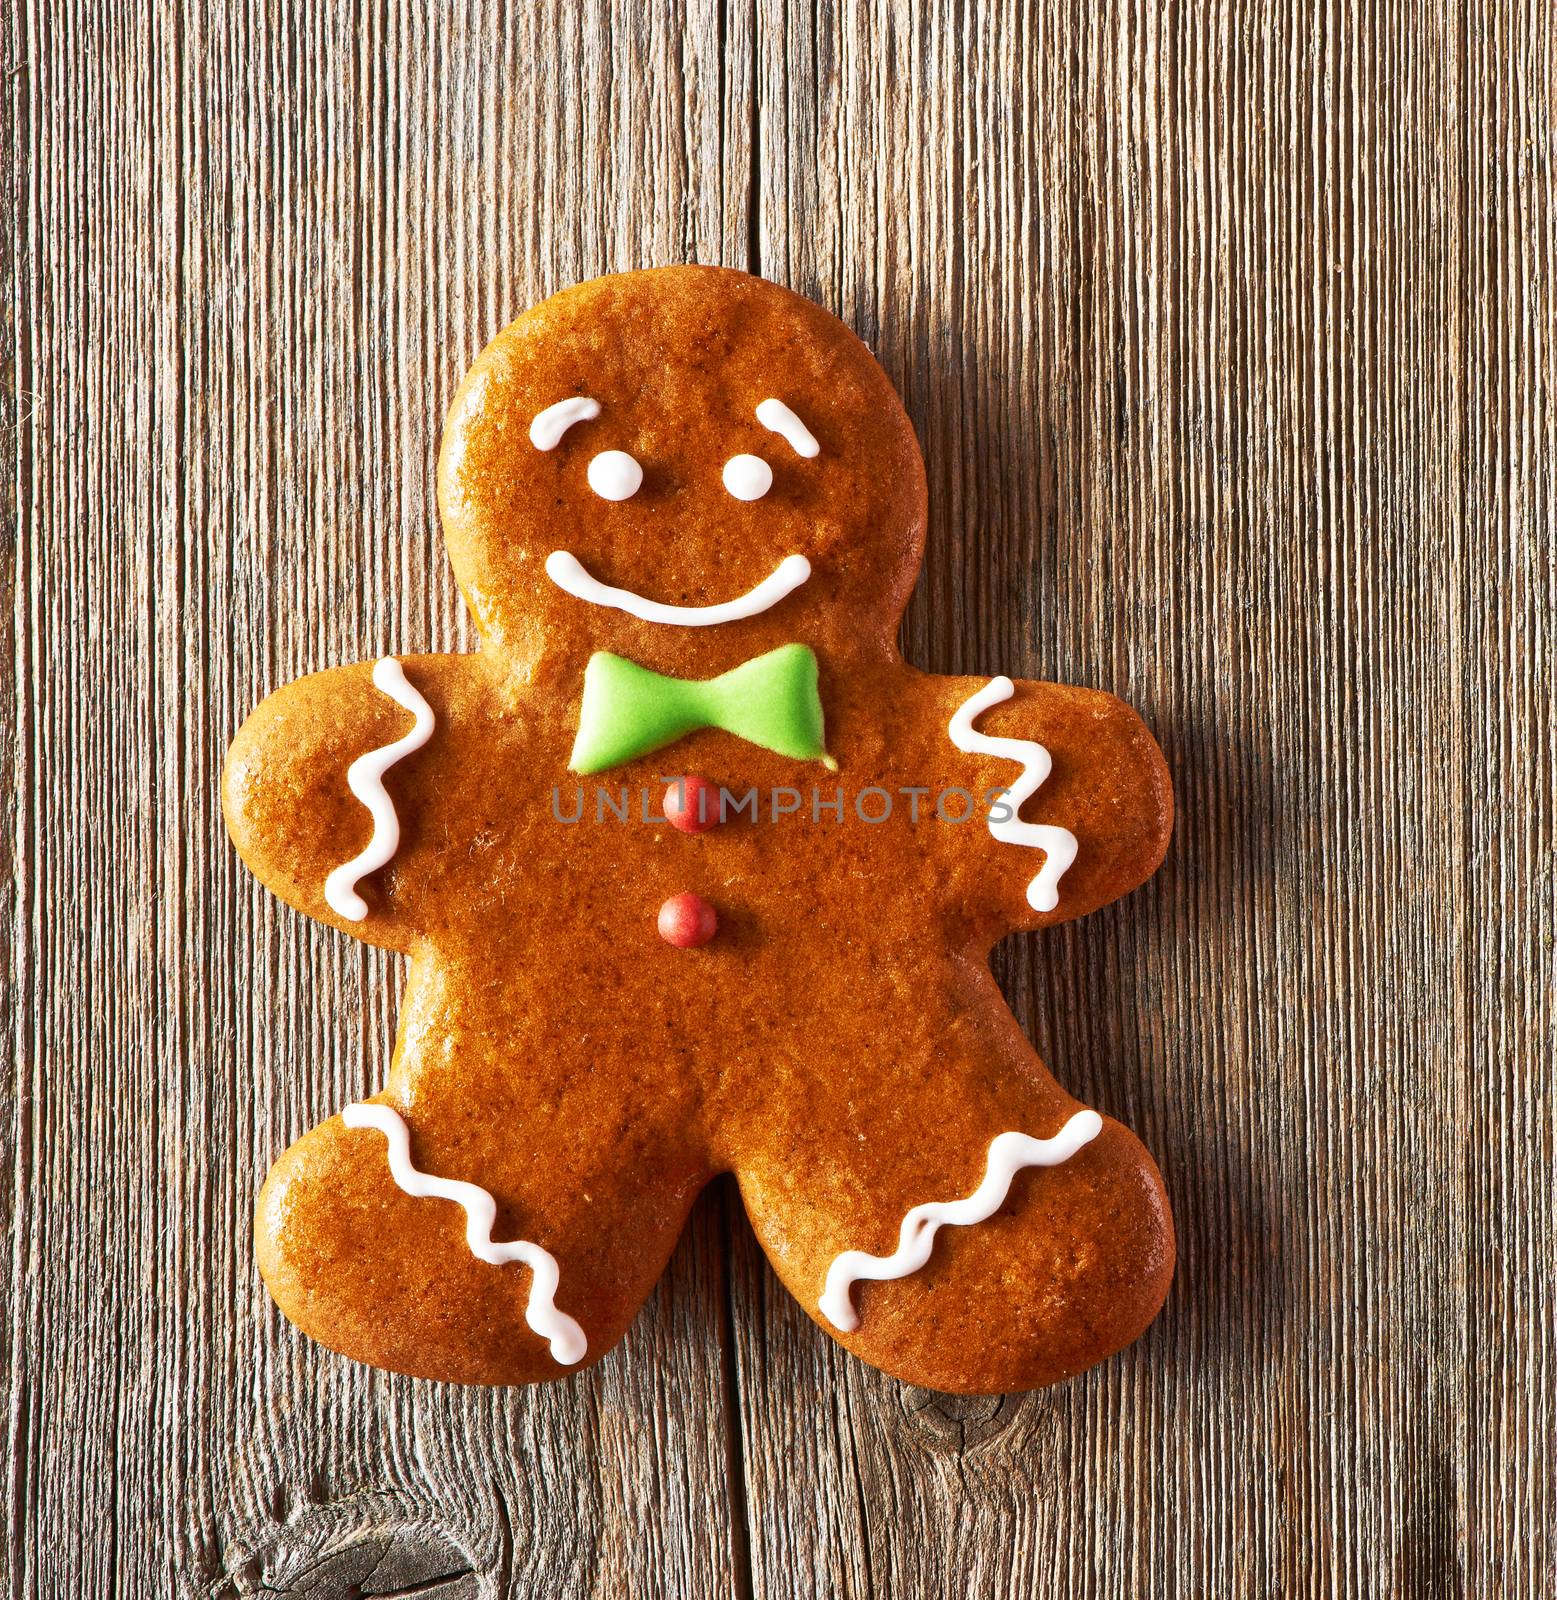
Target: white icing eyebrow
777 418
548 428
568 573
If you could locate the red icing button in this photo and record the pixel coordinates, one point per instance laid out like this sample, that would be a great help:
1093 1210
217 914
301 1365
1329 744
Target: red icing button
687 920
693 805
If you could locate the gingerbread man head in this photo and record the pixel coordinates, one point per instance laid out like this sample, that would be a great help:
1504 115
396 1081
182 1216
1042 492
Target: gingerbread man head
719 450
686 509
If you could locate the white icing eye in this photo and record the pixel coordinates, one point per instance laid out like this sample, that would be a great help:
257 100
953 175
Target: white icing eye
614 475
747 477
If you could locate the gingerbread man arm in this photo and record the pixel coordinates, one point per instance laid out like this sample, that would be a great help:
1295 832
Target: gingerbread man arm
319 792
1088 809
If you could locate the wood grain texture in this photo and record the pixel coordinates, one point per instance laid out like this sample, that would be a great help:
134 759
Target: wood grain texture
1229 334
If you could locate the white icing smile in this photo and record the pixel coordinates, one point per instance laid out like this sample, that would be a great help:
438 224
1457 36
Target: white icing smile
567 572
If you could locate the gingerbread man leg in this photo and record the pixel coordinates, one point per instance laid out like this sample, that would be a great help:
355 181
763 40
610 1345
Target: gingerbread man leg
1050 1249
497 1215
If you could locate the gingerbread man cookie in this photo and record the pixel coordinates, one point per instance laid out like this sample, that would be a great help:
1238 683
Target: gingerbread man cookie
695 876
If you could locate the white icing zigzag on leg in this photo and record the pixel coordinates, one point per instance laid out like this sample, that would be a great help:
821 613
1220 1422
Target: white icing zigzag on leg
566 1337
1059 844
1008 1155
365 778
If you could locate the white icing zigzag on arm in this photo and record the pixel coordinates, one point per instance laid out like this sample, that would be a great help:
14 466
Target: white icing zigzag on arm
566 1337
1008 1155
365 778
1058 844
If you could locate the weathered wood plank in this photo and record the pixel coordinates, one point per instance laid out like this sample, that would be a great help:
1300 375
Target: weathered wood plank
1506 564
1228 333
256 248
1178 300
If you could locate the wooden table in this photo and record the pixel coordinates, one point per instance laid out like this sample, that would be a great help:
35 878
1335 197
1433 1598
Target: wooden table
1229 334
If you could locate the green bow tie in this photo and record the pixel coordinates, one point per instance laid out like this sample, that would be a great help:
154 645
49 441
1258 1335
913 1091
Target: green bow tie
628 711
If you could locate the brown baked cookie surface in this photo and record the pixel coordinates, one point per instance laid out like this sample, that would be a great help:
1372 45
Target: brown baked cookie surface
686 509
